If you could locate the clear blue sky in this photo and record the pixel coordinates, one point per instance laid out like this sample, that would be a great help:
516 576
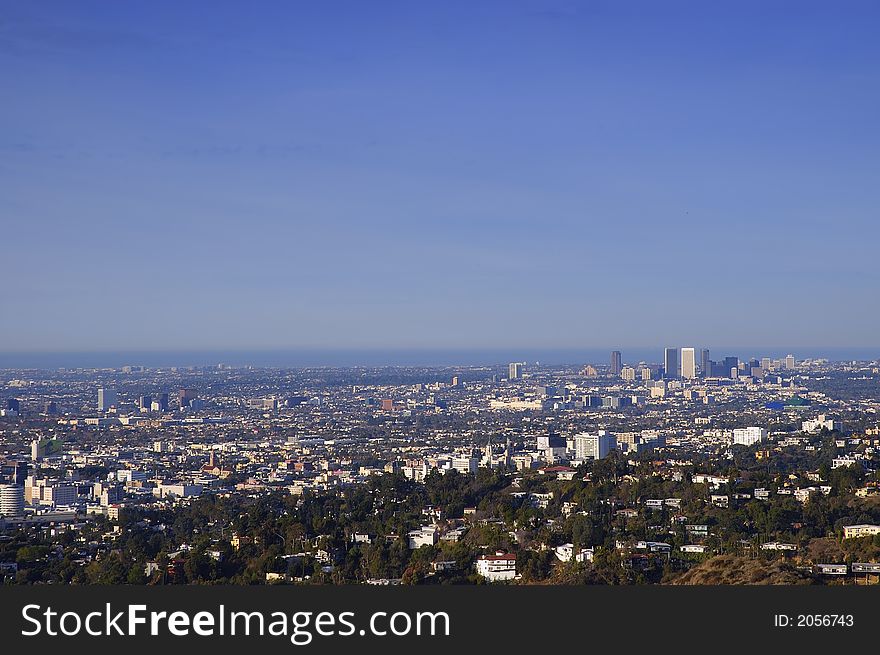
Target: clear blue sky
438 175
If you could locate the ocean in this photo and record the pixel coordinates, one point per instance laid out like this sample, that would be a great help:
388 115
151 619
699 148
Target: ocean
299 358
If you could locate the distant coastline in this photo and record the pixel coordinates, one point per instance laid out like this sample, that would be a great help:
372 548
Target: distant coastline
299 358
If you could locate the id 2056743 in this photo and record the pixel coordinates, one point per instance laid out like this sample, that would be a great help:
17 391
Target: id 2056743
813 621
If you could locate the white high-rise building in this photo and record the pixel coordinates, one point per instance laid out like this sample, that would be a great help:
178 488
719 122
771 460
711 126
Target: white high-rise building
106 399
688 363
749 436
789 362
11 500
514 371
465 464
594 446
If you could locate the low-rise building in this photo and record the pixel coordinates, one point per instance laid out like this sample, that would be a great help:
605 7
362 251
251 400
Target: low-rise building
566 552
424 536
861 530
498 567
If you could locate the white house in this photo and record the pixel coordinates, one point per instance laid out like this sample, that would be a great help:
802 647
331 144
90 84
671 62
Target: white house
497 567
653 546
844 460
862 530
831 569
778 545
424 536
565 553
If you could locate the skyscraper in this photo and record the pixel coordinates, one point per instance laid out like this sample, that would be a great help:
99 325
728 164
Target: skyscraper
688 363
38 449
670 363
594 446
615 362
789 362
514 371
186 396
106 399
731 367
705 363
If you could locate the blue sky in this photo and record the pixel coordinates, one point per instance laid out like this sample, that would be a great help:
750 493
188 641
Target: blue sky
438 175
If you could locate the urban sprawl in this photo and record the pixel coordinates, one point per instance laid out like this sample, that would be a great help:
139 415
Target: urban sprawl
684 471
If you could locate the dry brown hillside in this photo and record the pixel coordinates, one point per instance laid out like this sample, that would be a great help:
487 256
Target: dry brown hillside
734 570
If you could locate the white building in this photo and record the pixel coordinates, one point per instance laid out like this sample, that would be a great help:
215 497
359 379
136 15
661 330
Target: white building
778 545
714 481
416 473
749 436
177 490
11 500
424 536
817 424
131 475
688 363
861 530
106 399
594 446
497 567
465 464
832 569
565 553
653 546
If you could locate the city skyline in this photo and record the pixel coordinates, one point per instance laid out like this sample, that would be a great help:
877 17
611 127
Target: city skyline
435 357
447 176
206 449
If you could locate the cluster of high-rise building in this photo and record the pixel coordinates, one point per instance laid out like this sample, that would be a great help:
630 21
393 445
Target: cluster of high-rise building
682 363
108 401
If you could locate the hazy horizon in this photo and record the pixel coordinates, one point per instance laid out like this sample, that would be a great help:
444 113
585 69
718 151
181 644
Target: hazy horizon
304 358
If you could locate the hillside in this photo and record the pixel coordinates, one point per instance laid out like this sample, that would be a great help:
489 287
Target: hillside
734 570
